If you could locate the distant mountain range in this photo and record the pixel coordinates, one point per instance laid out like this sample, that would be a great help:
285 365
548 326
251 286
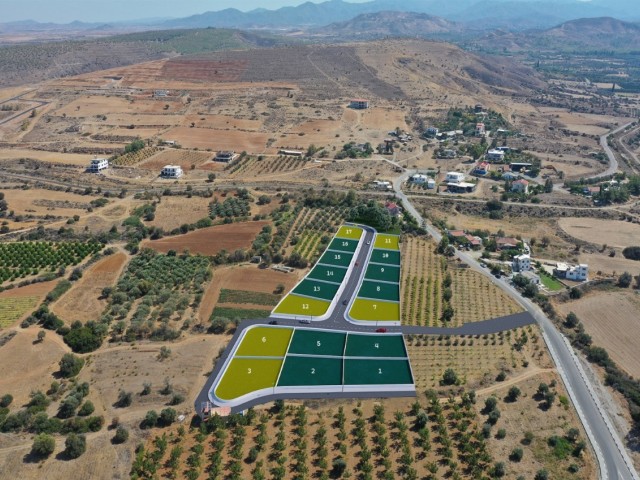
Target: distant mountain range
595 34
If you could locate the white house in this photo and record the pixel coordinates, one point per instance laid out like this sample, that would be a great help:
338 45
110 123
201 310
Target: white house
577 273
419 178
454 177
359 103
480 129
520 186
431 184
521 263
495 155
532 277
98 164
382 185
171 171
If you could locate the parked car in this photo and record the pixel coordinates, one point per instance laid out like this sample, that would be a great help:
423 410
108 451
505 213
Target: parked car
368 242
381 330
345 301
273 322
305 321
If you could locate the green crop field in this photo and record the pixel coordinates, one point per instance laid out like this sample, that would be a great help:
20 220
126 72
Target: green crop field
347 231
343 245
310 371
303 306
551 283
239 313
386 273
375 310
379 291
329 274
246 375
385 256
336 258
265 342
390 242
377 372
317 342
375 345
11 309
243 296
316 289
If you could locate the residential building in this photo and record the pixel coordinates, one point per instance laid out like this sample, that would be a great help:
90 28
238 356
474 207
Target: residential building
521 263
520 186
532 277
431 184
171 171
226 156
589 191
461 187
510 176
382 185
480 130
462 238
482 168
517 166
419 178
291 153
98 164
393 209
577 273
454 177
507 243
431 132
495 155
170 143
161 93
359 103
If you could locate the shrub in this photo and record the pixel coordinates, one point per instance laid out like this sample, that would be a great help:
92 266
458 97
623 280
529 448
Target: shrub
516 455
86 409
43 445
542 475
121 436
514 393
83 340
75 445
150 419
124 399
631 253
6 400
70 365
177 399
624 281
167 417
449 377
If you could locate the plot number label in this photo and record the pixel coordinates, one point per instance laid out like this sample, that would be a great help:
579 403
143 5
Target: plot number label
316 289
313 371
348 231
336 256
345 244
377 345
248 371
378 288
318 344
264 339
305 306
375 307
381 269
379 371
329 273
388 240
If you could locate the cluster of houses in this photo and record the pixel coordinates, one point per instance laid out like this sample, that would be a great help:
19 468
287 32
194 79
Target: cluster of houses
382 185
97 165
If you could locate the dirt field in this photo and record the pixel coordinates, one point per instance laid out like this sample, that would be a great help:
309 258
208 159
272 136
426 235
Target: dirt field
601 262
82 302
47 202
203 138
172 212
235 278
54 157
611 318
185 158
610 232
210 241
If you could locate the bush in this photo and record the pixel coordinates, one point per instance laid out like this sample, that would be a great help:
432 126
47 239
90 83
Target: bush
75 445
6 400
121 436
167 417
624 281
70 365
542 475
83 340
124 399
86 409
514 393
631 253
150 420
449 377
516 455
43 445
177 399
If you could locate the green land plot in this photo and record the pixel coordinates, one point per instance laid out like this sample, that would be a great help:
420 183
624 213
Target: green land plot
380 291
377 372
346 231
551 283
375 310
327 273
316 289
303 306
264 342
317 342
375 345
310 371
386 273
388 257
246 375
340 259
390 242
343 245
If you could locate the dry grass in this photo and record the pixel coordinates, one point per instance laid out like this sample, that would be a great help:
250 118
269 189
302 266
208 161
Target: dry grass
83 302
602 232
187 159
38 201
477 360
172 212
611 318
476 298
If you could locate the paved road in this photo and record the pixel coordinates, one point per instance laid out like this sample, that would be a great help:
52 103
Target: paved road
613 162
613 460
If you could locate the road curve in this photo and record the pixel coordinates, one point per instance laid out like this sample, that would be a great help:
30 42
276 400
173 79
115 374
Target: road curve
613 460
613 162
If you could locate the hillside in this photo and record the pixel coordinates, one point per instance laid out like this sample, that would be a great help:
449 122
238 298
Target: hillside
390 24
594 34
28 63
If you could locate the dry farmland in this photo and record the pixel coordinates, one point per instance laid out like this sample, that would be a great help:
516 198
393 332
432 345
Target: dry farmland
602 232
476 359
40 202
256 168
211 240
17 303
611 318
475 298
83 302
171 212
186 159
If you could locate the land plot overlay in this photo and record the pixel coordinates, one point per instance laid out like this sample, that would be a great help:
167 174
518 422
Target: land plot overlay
264 342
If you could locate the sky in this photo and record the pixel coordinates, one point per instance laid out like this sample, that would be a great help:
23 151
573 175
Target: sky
64 11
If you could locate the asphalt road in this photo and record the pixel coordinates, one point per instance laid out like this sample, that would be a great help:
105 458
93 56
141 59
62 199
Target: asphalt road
613 460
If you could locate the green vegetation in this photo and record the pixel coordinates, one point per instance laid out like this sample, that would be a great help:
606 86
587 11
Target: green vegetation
549 282
12 308
21 259
373 214
70 365
466 120
239 313
244 296
231 208
353 150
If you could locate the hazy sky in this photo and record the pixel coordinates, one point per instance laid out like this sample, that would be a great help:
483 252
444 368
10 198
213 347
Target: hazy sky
60 11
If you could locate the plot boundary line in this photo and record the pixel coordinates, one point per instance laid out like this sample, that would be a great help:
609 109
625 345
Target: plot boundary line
284 359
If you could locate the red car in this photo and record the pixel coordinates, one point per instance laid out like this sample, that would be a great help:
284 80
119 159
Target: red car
381 330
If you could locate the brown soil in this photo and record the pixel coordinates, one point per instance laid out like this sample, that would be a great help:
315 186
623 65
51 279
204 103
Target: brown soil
172 212
82 303
210 241
610 232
